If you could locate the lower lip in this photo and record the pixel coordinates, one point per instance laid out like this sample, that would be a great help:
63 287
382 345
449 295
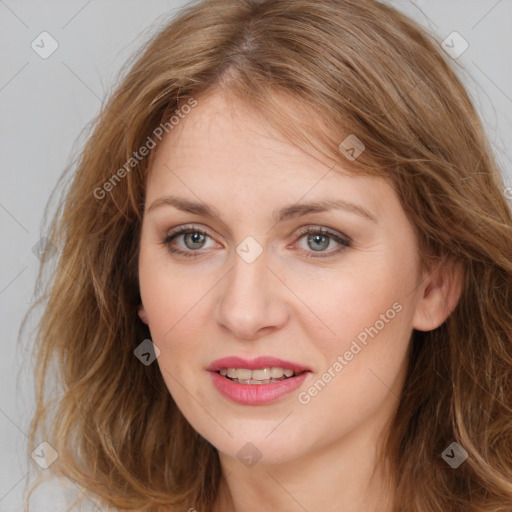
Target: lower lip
256 394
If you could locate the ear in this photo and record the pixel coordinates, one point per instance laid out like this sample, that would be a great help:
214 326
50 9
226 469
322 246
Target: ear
441 290
142 314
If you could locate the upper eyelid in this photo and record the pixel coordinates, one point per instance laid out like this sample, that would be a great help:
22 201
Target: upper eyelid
179 230
303 231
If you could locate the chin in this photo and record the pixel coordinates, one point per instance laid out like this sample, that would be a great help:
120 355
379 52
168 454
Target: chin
257 448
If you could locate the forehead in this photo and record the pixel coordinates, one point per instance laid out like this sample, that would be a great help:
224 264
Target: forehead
226 128
224 150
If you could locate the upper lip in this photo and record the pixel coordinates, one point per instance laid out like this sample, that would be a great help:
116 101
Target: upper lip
255 364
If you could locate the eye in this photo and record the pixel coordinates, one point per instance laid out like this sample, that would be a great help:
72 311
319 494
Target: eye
319 239
193 239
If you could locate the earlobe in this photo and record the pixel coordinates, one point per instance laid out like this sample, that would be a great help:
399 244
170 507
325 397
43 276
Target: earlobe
142 314
441 292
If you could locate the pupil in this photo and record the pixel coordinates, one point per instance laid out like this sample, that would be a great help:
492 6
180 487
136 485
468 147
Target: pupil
317 238
196 237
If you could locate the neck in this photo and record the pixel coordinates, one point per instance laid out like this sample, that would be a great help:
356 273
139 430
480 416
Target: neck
340 477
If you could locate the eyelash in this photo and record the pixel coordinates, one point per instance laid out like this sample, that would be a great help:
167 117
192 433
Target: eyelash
345 241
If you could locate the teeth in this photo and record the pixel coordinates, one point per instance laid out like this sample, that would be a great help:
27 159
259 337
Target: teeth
258 376
276 373
268 381
243 374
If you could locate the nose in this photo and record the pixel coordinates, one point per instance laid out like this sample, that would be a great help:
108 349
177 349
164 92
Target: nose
252 300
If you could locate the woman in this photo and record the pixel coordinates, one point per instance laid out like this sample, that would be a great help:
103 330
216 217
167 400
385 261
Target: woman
286 273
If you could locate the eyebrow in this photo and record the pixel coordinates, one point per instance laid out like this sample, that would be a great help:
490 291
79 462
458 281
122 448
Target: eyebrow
280 215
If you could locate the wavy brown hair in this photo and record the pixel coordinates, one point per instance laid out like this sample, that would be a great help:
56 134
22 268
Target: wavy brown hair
351 67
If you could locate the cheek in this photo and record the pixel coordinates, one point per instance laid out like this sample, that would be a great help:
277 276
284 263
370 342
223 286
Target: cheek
168 294
175 303
364 364
352 298
368 311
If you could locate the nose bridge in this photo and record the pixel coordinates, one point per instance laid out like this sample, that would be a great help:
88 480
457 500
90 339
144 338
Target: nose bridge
249 301
250 270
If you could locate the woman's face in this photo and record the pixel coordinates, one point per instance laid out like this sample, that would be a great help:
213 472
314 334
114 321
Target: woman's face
340 304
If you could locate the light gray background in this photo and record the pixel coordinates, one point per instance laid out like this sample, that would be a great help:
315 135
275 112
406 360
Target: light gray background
45 104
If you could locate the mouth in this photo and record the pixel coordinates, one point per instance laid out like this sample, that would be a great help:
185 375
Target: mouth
260 381
267 375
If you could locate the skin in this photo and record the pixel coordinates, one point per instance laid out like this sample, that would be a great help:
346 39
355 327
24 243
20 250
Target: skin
314 456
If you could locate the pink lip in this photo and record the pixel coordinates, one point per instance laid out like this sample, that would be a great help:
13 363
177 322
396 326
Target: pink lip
254 364
256 394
